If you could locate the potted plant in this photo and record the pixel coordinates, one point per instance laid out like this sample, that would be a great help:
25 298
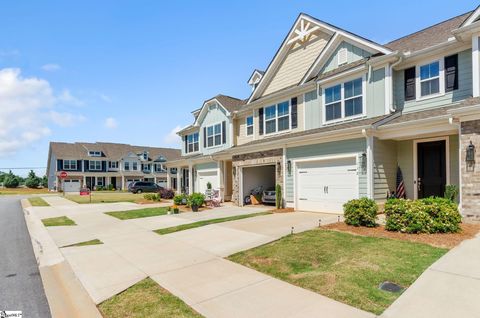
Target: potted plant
196 200
209 185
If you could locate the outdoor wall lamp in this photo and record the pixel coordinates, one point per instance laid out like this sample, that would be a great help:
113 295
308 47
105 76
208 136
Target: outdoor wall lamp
470 156
234 171
289 167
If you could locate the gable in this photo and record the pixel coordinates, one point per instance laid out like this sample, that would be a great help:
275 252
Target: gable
213 115
296 62
352 54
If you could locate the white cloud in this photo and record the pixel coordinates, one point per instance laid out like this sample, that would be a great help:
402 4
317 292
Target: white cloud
65 119
50 67
105 98
111 123
67 98
26 110
172 138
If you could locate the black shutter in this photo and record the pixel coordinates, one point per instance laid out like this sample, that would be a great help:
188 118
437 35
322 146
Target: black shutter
294 112
204 137
451 73
59 165
260 121
79 165
410 83
186 143
224 132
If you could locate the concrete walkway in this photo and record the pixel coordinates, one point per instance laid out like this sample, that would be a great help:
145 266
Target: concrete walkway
190 263
448 288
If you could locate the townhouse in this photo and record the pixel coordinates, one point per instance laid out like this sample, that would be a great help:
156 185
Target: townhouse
105 165
335 115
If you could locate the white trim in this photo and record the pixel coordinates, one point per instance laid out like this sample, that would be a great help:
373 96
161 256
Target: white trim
441 79
89 165
370 178
193 143
265 133
471 18
388 91
476 65
246 126
209 102
415 160
284 174
70 164
295 163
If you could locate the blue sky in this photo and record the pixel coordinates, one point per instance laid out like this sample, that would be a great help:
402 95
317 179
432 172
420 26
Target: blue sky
131 71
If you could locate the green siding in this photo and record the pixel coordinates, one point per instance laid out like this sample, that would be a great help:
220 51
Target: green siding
326 149
376 93
384 168
354 54
214 116
313 110
464 87
206 166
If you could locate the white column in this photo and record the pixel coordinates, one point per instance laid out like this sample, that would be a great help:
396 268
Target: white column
370 167
123 182
190 179
475 66
169 181
84 181
179 183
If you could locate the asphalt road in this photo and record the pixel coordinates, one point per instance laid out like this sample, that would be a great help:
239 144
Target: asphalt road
20 282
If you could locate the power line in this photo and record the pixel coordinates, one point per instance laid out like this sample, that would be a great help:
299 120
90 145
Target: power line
22 168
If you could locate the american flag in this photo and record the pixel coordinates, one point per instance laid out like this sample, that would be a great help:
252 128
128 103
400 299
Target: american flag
400 192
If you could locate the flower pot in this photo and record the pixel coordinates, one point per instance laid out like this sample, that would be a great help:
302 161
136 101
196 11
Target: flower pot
176 211
194 208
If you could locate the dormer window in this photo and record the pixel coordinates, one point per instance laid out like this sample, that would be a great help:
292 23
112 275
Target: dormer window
145 155
95 153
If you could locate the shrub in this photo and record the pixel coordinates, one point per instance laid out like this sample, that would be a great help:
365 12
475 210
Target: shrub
278 196
196 199
44 182
451 192
360 212
99 188
110 187
32 181
180 199
151 196
430 215
11 181
167 194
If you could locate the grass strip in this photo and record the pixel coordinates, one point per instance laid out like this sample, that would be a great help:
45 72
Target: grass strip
58 221
86 243
141 213
37 201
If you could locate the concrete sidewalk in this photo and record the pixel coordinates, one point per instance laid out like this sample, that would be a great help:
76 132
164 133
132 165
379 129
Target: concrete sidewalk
448 288
190 263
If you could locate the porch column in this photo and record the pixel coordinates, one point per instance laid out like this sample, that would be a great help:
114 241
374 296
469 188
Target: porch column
179 181
84 182
476 65
154 179
190 179
169 181
123 182
370 167
107 181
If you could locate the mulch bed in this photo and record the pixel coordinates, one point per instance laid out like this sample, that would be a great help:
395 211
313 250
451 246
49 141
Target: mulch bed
445 240
284 210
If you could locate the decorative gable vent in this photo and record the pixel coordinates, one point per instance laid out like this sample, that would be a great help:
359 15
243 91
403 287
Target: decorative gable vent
342 56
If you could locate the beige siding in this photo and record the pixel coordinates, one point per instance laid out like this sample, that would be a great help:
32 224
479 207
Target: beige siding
241 129
296 63
384 168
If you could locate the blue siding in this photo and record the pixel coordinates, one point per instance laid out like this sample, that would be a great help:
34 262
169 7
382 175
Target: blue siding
326 149
354 54
206 166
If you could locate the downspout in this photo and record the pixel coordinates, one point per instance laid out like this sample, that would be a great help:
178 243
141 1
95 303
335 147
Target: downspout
390 73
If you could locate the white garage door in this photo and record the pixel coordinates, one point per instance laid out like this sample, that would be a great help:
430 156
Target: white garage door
324 186
71 185
206 177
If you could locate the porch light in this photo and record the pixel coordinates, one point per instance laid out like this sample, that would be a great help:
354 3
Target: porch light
470 156
289 167
363 162
234 171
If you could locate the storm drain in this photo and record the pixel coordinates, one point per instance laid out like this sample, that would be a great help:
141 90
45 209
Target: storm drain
390 287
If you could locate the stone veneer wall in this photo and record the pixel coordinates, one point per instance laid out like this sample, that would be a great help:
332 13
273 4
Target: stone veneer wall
470 131
274 156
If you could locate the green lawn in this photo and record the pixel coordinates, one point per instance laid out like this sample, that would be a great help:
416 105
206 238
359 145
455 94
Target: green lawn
146 299
86 243
58 221
10 191
37 201
184 227
105 197
345 267
141 213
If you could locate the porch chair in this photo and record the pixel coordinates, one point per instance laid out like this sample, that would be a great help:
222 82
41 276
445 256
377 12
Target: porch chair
208 196
216 200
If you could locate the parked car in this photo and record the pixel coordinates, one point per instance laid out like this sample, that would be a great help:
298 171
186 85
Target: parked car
268 196
143 186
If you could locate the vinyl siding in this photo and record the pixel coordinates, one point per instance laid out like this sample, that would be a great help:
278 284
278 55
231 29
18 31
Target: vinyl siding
384 168
214 116
354 54
206 166
296 63
376 93
464 87
313 110
241 131
325 149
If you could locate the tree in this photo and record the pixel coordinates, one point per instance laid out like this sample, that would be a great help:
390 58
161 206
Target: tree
32 181
44 182
11 180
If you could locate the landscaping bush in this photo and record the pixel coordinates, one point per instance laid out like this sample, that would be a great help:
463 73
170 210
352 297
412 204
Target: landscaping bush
360 212
430 215
196 199
11 181
180 199
32 181
110 187
151 196
167 194
278 196
451 192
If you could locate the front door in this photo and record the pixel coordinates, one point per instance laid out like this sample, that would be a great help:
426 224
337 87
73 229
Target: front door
431 169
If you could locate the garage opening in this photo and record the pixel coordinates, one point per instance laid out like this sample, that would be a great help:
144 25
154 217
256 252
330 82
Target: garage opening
257 180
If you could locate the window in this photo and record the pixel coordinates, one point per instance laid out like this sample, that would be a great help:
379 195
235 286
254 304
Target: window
344 100
277 117
159 167
113 164
126 165
145 155
134 166
249 125
430 79
95 153
192 142
214 135
94 165
69 164
145 167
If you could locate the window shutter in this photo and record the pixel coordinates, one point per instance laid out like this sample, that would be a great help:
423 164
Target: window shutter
451 73
59 165
410 83
294 112
224 132
204 137
260 121
186 143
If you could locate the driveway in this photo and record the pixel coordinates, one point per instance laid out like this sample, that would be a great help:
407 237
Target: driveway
190 263
20 282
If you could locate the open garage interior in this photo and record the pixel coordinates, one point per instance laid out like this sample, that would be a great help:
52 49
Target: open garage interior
257 176
325 185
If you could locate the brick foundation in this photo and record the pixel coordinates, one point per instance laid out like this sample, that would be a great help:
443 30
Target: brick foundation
470 131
